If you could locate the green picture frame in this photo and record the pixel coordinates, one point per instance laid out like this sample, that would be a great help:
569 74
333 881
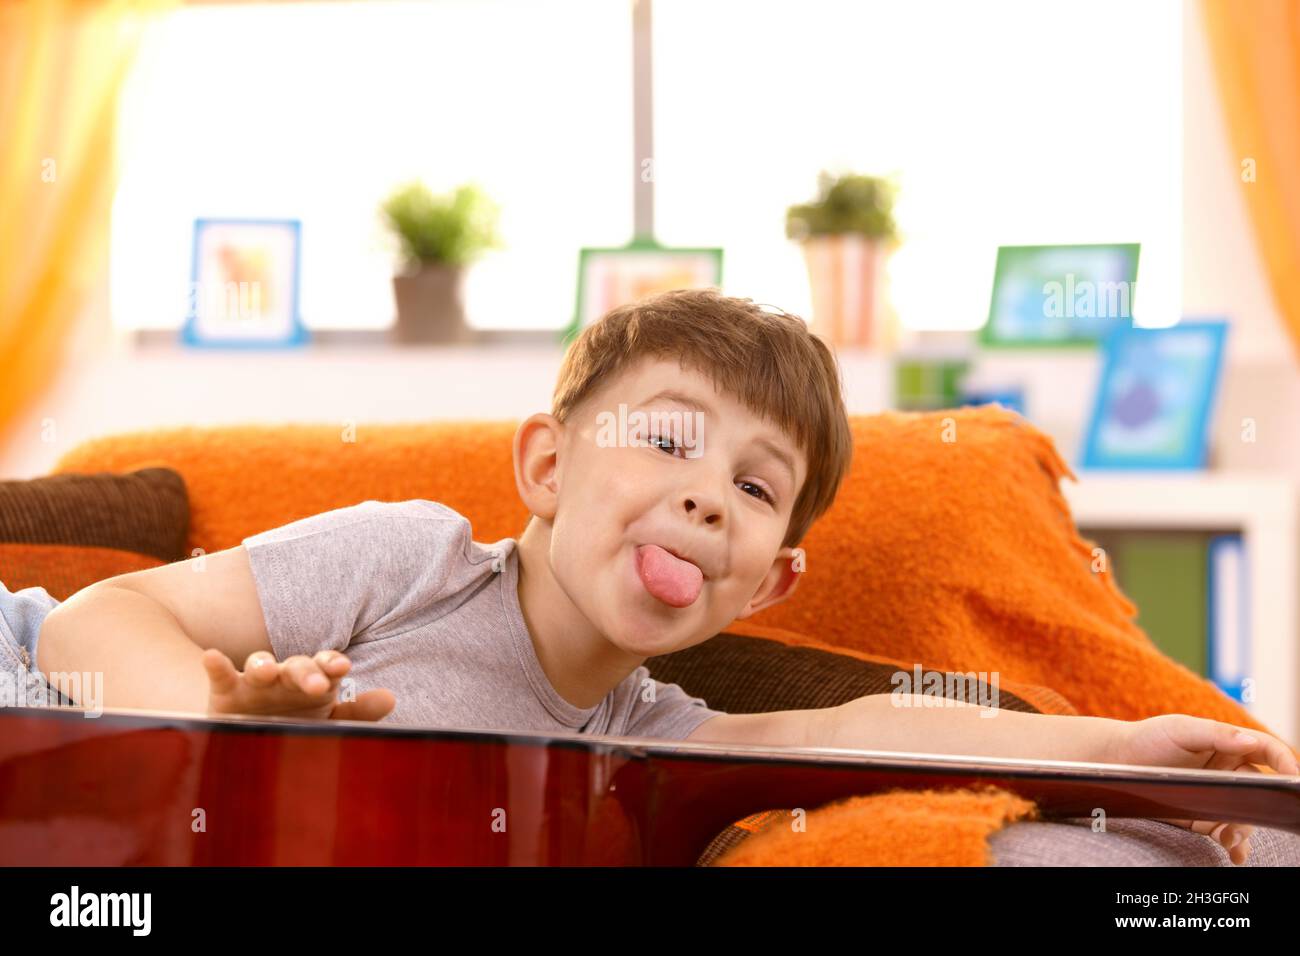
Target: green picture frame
1013 298
609 276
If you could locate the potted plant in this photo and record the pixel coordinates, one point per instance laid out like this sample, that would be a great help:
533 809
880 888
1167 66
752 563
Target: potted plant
439 236
846 234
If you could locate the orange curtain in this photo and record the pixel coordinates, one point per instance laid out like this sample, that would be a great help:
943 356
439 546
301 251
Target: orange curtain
62 65
1255 48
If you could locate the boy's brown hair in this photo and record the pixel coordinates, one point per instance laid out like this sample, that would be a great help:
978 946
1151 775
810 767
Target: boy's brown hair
767 360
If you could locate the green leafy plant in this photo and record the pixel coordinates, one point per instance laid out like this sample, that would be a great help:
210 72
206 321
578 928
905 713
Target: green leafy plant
449 229
847 203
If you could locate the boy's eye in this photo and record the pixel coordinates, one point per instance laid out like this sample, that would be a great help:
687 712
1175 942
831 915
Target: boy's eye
665 443
762 493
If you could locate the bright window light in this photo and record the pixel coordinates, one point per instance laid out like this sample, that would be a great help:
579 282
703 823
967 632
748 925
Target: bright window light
1006 122
316 111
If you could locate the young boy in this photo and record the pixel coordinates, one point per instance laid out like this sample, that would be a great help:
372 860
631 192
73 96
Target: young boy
693 440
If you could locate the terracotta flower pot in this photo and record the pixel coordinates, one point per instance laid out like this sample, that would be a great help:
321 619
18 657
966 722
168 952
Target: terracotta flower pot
430 307
847 277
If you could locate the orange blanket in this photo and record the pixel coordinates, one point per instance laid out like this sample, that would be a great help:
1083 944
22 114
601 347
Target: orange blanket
950 545
966 558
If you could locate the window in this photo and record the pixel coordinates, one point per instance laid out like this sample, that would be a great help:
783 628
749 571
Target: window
315 111
1062 124
1007 121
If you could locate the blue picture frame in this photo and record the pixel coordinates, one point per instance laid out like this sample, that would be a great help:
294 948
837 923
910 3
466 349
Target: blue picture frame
1153 404
295 333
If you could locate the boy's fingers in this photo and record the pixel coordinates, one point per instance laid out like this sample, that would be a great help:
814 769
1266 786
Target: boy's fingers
332 663
304 674
222 676
260 669
1233 837
1254 746
372 705
1276 755
1221 833
1242 851
1243 845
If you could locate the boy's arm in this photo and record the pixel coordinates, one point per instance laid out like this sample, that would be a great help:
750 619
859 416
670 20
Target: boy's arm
879 722
782 728
919 723
307 587
146 631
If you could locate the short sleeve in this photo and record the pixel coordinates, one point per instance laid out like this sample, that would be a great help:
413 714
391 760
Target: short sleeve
672 715
328 579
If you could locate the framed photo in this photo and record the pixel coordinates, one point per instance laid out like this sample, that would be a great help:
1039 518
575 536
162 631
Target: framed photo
1154 403
244 284
610 277
1060 296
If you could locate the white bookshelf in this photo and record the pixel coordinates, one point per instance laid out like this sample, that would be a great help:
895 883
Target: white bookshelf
1265 510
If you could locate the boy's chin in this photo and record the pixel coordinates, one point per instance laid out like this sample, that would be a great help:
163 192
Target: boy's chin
653 641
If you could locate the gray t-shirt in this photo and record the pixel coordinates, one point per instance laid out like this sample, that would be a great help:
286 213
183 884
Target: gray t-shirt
424 610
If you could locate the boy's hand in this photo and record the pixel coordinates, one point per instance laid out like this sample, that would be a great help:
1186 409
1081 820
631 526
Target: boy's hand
1180 740
300 686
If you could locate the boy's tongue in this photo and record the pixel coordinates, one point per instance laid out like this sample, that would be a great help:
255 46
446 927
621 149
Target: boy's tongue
668 578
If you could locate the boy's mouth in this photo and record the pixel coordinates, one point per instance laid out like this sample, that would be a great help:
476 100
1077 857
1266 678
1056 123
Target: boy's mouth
671 579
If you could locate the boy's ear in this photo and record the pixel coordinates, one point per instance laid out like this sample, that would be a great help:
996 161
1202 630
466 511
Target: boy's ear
779 583
537 457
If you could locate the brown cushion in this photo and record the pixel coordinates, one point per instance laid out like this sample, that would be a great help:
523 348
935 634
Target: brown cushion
740 674
64 532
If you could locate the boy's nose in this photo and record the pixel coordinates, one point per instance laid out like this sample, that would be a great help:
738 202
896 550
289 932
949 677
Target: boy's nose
699 507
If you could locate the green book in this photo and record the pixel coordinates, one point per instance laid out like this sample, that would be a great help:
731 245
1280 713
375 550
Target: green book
928 384
1163 574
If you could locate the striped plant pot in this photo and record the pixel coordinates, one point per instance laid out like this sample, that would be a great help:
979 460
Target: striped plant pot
847 276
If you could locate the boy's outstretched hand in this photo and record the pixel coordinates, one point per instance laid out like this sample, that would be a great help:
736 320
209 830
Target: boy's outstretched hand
1180 740
299 686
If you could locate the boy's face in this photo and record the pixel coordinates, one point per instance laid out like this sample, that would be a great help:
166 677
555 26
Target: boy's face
620 499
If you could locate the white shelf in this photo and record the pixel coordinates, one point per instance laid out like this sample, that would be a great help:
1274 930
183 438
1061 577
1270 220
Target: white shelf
1266 511
1179 500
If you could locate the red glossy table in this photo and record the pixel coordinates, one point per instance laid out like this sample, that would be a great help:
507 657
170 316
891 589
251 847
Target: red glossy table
151 788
